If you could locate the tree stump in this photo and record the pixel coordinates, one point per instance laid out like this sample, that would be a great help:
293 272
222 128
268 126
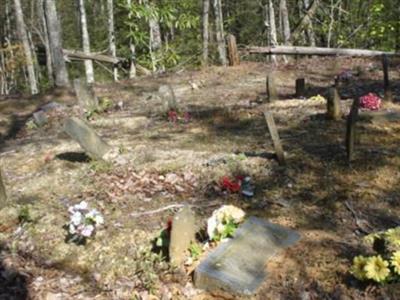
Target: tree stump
3 195
300 88
87 99
272 92
388 96
333 104
351 131
273 131
234 59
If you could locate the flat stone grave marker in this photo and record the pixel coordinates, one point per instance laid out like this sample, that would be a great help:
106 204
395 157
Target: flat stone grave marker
89 140
182 234
238 266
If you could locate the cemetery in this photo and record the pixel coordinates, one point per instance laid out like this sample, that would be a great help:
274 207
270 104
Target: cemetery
253 181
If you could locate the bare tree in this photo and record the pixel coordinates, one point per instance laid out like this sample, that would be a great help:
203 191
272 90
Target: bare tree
309 25
206 11
25 43
111 34
86 42
54 41
132 70
285 21
219 29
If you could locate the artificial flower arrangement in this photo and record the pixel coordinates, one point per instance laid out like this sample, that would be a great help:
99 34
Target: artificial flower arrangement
224 222
383 267
370 102
83 222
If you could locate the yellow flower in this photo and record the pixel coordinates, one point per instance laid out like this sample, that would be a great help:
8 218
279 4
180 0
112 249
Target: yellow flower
370 238
357 269
393 236
395 262
376 268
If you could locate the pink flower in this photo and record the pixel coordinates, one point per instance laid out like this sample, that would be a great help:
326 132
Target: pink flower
370 101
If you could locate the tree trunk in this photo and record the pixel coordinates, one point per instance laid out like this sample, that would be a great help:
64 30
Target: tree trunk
305 21
25 42
45 40
309 26
206 10
285 21
54 38
132 69
86 43
111 34
219 30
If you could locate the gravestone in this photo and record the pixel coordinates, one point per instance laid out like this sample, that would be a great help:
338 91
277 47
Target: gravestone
182 234
300 88
40 118
272 93
233 54
167 94
351 131
273 131
87 100
333 104
87 138
238 265
3 195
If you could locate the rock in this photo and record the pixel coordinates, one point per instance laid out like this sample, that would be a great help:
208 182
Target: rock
87 99
52 106
238 266
182 234
3 195
89 140
39 118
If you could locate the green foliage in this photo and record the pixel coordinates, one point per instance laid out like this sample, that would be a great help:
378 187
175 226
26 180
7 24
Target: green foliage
229 229
195 250
24 215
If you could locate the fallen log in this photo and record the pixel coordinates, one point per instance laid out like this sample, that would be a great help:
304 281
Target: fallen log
292 50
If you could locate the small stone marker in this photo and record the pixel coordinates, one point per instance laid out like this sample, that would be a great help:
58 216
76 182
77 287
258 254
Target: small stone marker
182 234
234 59
87 99
89 140
168 96
3 195
273 131
386 82
272 93
40 118
300 88
351 134
333 104
238 266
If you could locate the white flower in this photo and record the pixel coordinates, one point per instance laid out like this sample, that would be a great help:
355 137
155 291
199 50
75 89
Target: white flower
211 226
87 230
76 218
215 224
72 229
81 206
99 219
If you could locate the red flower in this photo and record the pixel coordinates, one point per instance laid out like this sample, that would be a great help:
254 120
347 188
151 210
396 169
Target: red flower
232 186
370 101
172 116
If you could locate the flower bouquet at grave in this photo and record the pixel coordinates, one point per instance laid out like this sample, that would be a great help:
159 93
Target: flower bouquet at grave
224 222
83 223
384 265
370 102
174 117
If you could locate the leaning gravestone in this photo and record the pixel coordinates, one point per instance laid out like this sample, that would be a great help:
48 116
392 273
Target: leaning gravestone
238 266
272 92
89 140
3 195
182 234
87 99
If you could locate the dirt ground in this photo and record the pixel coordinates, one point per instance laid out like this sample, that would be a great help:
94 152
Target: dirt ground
167 163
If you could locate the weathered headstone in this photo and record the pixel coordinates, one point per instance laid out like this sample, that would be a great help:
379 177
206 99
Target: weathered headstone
351 134
168 97
3 195
333 104
89 140
87 99
300 87
273 131
234 59
272 93
238 266
40 118
386 82
182 234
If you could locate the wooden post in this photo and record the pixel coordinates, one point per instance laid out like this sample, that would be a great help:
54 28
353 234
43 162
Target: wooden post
333 104
3 195
386 82
300 87
272 93
273 131
234 59
351 134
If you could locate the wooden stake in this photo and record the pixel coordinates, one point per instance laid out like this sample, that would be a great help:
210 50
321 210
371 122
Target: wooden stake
386 82
234 59
351 134
333 104
300 87
273 131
